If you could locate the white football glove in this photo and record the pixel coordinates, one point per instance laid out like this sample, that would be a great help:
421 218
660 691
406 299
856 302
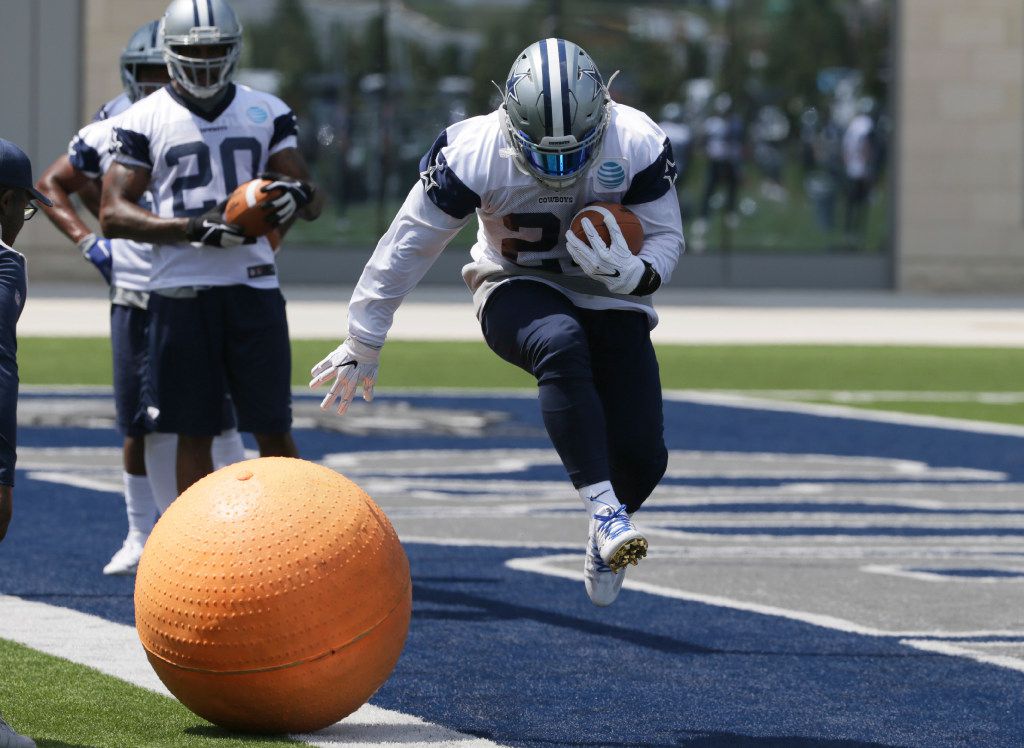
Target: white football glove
615 266
351 364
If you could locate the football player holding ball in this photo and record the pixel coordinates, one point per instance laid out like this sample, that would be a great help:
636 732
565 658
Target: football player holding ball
574 312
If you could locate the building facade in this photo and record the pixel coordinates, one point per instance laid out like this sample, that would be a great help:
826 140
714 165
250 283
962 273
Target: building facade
957 161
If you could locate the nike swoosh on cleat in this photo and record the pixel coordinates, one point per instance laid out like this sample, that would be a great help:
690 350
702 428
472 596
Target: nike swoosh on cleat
616 274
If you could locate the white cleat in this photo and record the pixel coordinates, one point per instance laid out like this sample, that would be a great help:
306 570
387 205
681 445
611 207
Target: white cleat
617 537
612 544
11 739
602 583
126 561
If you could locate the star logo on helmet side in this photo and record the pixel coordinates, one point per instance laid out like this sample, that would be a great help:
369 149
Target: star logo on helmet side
511 83
594 76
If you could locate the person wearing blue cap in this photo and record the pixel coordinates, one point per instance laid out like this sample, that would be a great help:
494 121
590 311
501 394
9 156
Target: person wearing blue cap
18 199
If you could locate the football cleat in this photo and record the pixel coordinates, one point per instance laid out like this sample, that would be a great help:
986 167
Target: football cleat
617 538
11 739
126 561
602 583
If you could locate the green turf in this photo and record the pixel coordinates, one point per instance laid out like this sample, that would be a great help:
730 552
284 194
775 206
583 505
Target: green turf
472 364
61 704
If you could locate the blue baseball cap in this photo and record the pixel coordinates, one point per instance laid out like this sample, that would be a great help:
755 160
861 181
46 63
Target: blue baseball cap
16 171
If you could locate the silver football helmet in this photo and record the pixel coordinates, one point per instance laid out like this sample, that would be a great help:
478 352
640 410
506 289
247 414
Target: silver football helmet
145 48
556 110
202 42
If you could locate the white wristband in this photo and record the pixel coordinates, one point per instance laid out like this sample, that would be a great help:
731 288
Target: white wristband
86 242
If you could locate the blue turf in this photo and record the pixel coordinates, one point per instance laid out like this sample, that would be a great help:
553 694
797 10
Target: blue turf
526 660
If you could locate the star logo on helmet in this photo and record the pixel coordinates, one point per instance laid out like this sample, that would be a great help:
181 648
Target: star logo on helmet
427 178
511 83
594 76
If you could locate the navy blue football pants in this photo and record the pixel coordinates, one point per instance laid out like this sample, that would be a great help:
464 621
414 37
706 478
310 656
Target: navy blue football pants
597 379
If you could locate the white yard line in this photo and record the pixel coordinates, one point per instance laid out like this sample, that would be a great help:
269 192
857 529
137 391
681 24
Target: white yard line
547 565
839 411
884 396
958 650
114 649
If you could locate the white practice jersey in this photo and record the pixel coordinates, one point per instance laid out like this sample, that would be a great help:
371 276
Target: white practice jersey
196 160
521 223
89 153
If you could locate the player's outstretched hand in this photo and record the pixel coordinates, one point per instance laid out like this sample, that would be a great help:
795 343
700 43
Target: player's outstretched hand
351 364
212 230
297 195
96 250
614 265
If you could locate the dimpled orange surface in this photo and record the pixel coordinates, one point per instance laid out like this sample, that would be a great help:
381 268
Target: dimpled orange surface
273 596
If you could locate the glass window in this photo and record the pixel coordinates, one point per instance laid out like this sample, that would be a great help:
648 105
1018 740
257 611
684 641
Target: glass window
778 110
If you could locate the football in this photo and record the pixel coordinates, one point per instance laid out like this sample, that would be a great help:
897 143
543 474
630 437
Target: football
632 231
245 209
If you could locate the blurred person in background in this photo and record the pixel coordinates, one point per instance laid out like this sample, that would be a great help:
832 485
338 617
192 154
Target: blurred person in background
680 135
18 199
723 145
859 165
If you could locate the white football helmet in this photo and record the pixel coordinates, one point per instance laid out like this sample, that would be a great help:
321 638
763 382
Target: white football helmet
202 43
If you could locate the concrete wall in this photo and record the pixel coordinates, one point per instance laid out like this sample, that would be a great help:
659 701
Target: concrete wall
961 146
107 25
70 51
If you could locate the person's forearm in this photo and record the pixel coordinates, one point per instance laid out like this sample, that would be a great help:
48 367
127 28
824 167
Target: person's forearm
312 211
58 183
89 194
124 220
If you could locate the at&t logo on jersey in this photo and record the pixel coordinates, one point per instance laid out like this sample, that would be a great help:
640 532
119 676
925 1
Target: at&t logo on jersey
257 114
610 174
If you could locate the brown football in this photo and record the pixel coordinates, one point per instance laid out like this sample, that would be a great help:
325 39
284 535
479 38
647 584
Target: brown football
632 231
245 209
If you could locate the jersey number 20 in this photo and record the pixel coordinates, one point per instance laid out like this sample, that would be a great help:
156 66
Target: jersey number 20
203 174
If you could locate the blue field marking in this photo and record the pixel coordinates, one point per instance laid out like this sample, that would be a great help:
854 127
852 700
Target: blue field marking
972 573
830 507
524 659
902 531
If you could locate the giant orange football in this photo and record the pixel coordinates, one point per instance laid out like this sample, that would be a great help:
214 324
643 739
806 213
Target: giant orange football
273 597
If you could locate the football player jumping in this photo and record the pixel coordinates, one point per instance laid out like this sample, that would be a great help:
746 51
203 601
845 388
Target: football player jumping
576 315
149 473
217 318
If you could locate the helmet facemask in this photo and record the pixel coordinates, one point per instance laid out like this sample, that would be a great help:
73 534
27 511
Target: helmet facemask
143 68
556 162
201 76
142 79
